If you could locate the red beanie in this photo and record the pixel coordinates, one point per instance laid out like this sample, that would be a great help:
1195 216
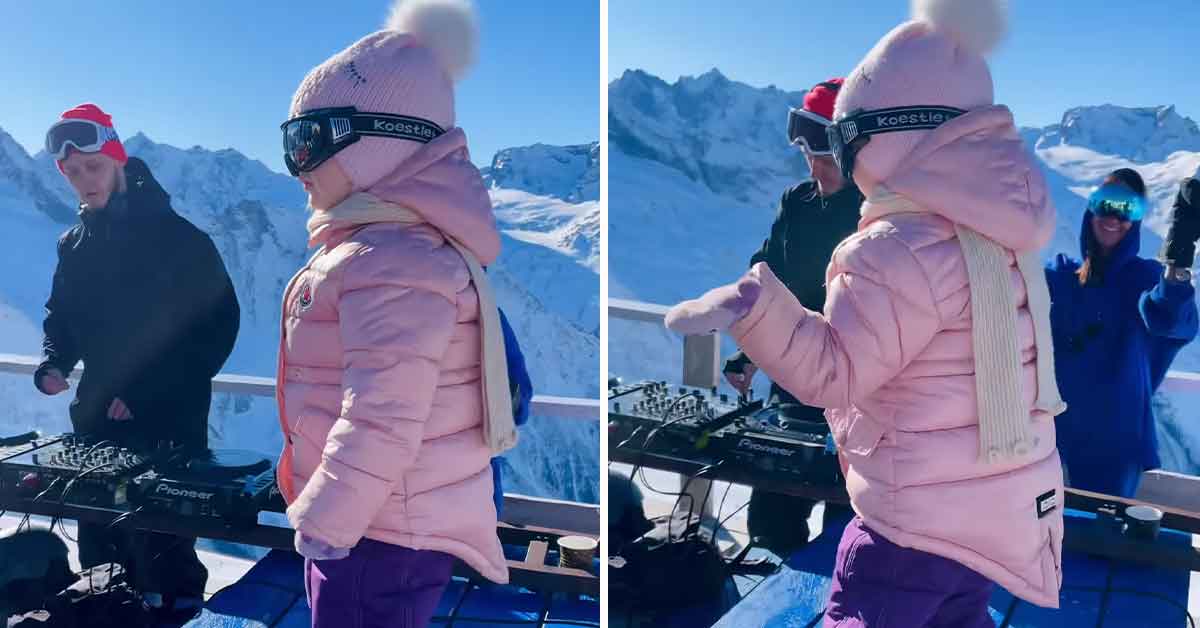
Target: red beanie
87 111
821 98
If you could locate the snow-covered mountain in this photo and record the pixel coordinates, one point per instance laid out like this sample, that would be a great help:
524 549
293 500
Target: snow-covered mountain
570 173
1144 135
726 135
546 281
696 169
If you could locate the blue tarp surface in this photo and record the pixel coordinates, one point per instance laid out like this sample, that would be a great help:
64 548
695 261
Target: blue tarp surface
1127 595
271 595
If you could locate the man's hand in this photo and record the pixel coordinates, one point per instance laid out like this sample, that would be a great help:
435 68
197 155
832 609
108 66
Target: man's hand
118 411
53 382
1179 249
742 380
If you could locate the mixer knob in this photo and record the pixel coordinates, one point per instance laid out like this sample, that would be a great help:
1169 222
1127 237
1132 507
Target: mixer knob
616 406
724 398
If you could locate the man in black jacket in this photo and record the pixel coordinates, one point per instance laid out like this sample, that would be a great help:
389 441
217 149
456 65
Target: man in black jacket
814 217
142 297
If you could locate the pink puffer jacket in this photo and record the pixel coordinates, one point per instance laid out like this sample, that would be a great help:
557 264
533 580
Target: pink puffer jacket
892 359
379 373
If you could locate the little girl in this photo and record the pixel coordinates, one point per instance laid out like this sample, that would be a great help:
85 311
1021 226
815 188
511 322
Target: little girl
933 357
393 392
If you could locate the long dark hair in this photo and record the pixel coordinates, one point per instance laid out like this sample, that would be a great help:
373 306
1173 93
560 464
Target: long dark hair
1093 267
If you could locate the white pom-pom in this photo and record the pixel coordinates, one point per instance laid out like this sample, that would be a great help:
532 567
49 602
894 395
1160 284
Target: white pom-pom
448 27
978 25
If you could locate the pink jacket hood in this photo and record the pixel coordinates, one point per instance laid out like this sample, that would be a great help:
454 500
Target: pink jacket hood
440 183
975 171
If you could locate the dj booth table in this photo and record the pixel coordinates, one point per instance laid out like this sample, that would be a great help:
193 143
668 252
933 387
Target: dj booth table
1084 539
529 571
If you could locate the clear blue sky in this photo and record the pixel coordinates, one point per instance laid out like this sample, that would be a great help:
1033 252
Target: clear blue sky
221 73
1059 54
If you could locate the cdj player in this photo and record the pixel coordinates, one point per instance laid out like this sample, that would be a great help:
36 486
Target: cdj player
770 442
224 484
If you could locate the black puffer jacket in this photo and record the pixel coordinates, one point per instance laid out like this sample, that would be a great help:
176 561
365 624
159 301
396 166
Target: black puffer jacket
142 297
805 232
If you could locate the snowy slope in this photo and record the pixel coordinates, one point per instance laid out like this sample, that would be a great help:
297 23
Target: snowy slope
256 218
569 173
726 135
677 229
1143 135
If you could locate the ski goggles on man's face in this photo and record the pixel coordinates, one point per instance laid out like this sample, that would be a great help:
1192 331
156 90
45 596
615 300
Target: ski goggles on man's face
1116 200
83 135
807 130
314 136
848 135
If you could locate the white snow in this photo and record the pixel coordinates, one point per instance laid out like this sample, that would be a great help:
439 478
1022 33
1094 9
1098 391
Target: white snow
570 173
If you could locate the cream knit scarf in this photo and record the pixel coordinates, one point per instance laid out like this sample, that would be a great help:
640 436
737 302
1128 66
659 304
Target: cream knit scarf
1005 431
361 209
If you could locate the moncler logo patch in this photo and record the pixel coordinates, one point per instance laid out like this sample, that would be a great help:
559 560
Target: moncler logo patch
304 300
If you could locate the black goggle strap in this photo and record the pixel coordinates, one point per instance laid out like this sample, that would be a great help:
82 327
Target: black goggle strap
340 128
892 120
384 125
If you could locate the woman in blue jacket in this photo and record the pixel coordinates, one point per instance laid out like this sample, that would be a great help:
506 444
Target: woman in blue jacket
1118 322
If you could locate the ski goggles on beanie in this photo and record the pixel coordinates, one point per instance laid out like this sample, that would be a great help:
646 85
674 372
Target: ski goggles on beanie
807 129
1118 201
84 136
312 137
848 135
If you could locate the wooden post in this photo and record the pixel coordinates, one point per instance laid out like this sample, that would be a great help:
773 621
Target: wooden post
702 360
701 369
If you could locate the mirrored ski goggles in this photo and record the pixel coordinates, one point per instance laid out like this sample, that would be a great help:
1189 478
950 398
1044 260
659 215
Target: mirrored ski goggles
314 136
84 135
1118 201
807 130
848 135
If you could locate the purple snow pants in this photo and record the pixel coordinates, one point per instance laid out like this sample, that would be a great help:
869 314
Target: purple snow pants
378 585
878 584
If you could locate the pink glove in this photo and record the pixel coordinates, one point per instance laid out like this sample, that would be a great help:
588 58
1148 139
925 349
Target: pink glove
717 310
314 549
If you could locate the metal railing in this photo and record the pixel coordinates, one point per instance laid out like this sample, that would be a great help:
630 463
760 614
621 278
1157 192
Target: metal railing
701 354
543 405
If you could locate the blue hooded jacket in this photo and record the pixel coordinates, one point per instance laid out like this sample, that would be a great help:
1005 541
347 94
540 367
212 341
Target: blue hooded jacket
522 393
1113 343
